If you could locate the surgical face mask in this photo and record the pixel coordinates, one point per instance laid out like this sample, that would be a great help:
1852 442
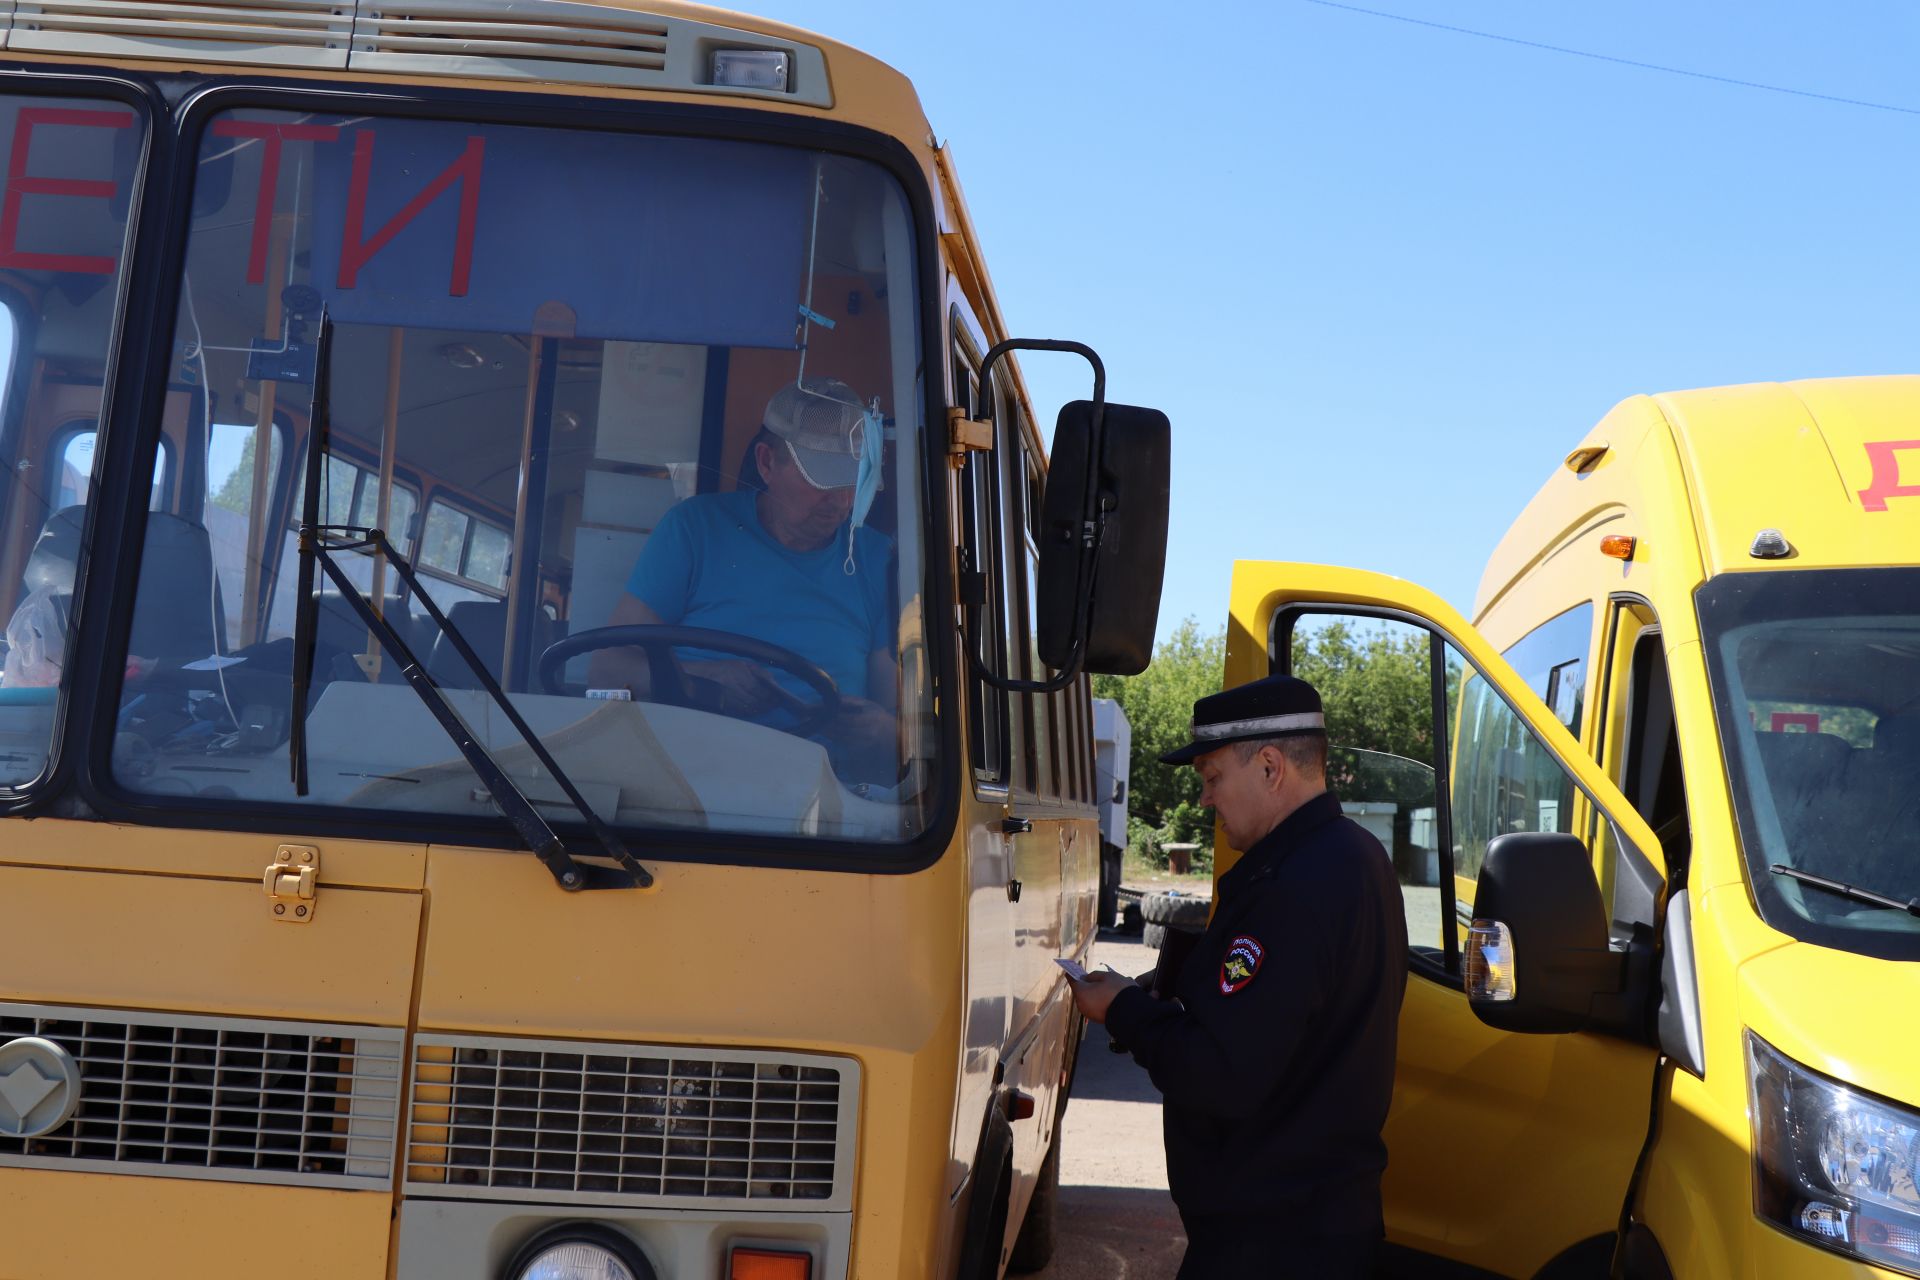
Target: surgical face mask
867 481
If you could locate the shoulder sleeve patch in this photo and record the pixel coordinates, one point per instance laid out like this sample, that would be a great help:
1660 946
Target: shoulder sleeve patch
1242 962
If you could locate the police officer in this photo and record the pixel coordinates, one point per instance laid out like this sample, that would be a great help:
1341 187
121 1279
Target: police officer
1276 1057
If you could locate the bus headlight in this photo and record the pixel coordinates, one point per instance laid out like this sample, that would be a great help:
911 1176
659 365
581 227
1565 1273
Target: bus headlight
578 1251
1831 1165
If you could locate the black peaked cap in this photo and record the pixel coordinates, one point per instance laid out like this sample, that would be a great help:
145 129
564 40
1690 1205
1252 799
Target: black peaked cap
1276 707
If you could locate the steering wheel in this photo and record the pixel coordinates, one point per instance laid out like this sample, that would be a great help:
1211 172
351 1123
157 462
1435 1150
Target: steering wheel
670 684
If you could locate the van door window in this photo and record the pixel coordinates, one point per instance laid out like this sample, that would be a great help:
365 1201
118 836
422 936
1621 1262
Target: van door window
1376 684
1435 768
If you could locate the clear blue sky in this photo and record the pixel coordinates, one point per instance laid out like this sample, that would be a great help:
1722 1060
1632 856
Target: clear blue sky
1382 276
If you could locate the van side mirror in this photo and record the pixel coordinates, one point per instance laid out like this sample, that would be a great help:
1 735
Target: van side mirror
1538 955
1120 498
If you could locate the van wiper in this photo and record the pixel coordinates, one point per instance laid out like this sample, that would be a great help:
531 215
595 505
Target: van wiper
1854 892
318 545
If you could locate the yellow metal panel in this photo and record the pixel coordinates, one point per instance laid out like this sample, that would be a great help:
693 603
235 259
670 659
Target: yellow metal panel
1503 1149
808 959
1548 533
1845 1015
206 946
1698 1194
90 1226
1796 457
223 855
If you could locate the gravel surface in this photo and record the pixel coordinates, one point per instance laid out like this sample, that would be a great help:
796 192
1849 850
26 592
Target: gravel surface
1116 1222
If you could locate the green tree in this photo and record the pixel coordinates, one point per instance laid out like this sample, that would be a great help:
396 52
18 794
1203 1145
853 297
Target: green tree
1375 685
235 491
1159 707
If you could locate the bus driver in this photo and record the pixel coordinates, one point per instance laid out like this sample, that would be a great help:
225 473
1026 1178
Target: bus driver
790 563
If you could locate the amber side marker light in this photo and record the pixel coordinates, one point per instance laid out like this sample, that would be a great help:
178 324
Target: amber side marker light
768 1264
1618 545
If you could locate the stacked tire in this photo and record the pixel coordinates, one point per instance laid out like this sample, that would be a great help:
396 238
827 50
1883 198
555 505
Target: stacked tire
1164 911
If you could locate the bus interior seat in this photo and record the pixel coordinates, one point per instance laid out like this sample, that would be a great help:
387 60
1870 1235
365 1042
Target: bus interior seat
177 611
1806 775
340 629
1881 789
483 623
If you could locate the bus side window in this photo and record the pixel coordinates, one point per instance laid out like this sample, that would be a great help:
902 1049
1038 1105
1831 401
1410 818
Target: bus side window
73 457
980 586
1041 775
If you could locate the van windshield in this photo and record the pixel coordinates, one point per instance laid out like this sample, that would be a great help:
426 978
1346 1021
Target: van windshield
1816 683
641 414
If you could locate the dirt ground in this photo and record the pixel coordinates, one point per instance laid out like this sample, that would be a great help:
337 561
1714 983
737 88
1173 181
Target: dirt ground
1116 1222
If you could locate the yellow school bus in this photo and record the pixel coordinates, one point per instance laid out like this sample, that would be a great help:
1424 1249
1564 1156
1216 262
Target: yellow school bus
368 374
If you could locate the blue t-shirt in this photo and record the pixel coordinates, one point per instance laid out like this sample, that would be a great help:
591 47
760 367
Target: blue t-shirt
711 563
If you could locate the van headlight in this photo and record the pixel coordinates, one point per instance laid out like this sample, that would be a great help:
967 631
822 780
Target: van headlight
1831 1165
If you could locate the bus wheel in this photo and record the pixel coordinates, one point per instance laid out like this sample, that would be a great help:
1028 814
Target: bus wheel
1109 907
1034 1249
985 1232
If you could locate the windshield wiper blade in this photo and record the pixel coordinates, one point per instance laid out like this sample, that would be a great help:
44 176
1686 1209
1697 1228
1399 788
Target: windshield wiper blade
317 544
1911 906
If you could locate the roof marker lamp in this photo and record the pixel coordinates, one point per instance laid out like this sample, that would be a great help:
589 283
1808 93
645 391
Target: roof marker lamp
764 69
579 1251
1831 1165
1618 546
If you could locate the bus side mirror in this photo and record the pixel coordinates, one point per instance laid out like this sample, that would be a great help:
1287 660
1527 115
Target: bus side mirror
1120 498
1537 954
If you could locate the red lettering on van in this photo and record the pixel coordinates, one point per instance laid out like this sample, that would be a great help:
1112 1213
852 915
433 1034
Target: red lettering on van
21 185
275 136
1885 456
355 252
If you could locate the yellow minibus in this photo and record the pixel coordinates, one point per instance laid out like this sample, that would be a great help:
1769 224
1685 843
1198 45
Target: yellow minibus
1654 812
544 727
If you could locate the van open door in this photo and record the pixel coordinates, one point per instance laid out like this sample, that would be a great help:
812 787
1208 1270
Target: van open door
1506 1150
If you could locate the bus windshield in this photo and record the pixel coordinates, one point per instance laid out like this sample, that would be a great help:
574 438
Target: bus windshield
642 414
1816 682
72 168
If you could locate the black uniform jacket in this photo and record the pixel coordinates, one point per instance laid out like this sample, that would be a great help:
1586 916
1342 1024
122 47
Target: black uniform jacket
1277 1059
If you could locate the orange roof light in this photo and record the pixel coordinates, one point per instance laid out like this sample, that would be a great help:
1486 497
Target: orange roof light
1618 545
768 1264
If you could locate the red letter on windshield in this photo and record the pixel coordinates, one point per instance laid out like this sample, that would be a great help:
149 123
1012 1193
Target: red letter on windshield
276 136
1885 455
20 185
355 252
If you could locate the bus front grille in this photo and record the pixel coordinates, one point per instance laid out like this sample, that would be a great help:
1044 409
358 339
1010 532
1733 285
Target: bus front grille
230 1099
564 1121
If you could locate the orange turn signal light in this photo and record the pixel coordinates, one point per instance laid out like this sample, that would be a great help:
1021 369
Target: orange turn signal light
1618 545
768 1264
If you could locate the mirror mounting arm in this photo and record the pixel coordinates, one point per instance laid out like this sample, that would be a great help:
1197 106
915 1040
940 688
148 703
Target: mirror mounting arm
1092 523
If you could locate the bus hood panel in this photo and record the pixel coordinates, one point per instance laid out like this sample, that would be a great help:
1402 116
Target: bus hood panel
1844 1015
810 960
161 1229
